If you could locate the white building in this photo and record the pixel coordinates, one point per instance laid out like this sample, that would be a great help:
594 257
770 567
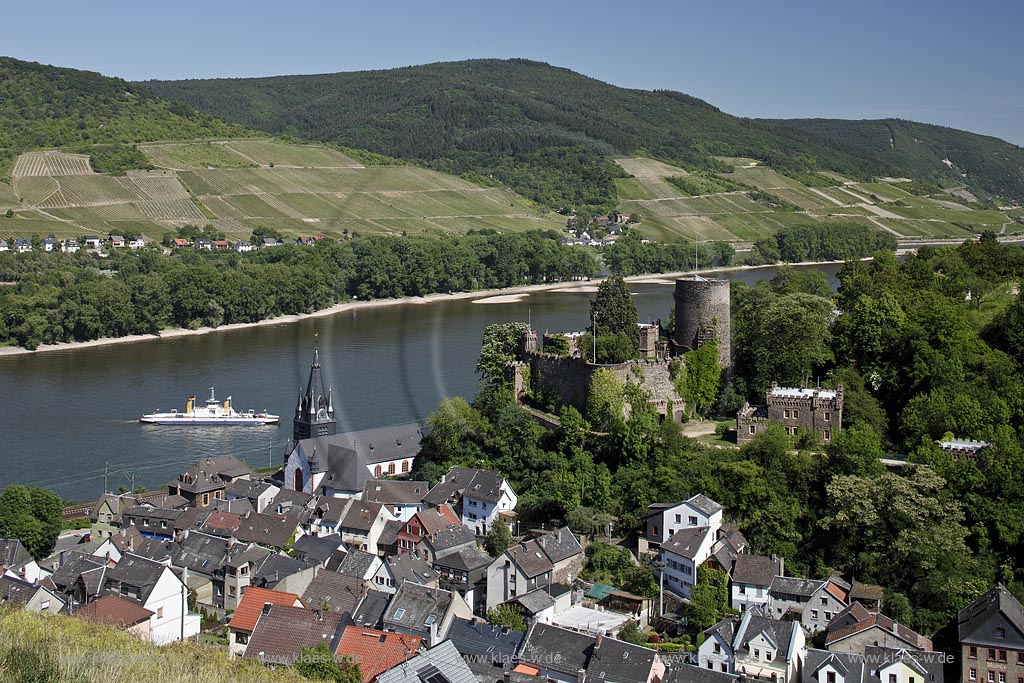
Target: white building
477 496
663 520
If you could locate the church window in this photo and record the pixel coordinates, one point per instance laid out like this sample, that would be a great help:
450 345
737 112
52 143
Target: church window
391 468
405 466
377 471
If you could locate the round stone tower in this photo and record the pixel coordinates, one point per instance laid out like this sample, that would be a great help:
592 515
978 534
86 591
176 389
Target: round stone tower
703 314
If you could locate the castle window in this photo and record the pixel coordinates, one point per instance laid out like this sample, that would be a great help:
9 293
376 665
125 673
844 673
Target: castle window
827 435
972 674
796 413
785 414
751 429
827 416
972 652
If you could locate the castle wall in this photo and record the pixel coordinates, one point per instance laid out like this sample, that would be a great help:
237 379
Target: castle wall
703 313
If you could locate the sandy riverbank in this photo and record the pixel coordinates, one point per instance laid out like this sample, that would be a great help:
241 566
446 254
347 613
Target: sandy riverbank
491 295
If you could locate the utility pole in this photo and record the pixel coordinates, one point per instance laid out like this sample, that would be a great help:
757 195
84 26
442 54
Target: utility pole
106 465
595 337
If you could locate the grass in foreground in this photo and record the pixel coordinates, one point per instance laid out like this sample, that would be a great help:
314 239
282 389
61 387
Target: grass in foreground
52 649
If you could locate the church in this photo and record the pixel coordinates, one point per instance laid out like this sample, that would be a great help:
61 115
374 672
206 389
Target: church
322 462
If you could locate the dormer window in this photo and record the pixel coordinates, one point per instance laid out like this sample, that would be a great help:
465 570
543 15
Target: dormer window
1000 633
830 677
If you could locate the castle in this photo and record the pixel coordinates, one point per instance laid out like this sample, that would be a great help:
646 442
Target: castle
702 314
817 410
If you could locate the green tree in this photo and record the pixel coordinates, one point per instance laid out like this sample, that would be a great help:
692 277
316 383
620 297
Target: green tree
499 538
500 347
605 400
614 311
319 664
507 615
33 516
631 633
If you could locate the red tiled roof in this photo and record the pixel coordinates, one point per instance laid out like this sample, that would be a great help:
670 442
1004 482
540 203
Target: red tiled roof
253 599
886 624
229 521
837 592
112 610
376 651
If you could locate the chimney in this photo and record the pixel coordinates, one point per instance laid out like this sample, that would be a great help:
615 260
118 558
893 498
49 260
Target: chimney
266 607
506 677
597 641
433 633
581 676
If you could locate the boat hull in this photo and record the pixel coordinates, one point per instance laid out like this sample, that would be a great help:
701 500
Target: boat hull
227 421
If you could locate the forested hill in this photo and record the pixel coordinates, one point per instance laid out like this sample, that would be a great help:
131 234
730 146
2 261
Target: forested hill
548 131
48 106
934 154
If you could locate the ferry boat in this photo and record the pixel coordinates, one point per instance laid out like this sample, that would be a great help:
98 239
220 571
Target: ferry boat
213 413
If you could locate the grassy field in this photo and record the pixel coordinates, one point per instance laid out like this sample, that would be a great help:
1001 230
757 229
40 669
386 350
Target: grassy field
238 185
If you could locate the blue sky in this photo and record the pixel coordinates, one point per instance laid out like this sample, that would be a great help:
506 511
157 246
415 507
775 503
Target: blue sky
955 64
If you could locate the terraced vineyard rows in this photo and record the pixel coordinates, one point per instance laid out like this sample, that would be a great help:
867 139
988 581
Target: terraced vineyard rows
51 164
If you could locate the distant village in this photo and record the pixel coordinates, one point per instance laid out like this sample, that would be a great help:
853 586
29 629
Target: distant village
339 547
24 245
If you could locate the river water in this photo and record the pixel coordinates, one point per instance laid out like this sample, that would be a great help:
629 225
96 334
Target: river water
67 415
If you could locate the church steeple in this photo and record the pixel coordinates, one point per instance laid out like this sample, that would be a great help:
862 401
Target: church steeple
314 413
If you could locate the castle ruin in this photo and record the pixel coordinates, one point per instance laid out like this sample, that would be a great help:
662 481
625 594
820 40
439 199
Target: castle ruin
703 314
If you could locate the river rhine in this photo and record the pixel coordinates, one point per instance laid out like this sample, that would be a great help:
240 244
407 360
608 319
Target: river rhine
66 413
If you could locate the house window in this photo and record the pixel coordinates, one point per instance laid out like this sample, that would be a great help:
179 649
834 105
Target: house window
718 648
724 668
814 614
892 678
991 655
972 674
828 616
655 530
743 589
1002 655
1000 633
1020 657
757 653
159 612
991 677
242 638
44 605
972 652
231 591
692 520
472 503
1002 677
711 665
824 601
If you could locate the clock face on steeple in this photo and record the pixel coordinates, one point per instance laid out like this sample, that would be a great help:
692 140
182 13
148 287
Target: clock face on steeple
321 414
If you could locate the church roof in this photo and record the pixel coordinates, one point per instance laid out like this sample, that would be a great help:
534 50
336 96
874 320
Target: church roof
315 397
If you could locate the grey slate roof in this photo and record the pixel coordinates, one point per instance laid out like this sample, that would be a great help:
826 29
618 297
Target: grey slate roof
791 585
345 457
361 516
275 568
530 558
267 529
410 567
16 592
686 542
370 610
447 540
615 661
134 571
975 622
467 559
726 629
316 549
389 534
413 604
13 554
440 663
478 641
685 673
247 488
778 632
200 553
395 491
556 648
331 591
755 570
282 631
704 504
211 474
482 485
534 602
560 545
357 563
815 660
75 563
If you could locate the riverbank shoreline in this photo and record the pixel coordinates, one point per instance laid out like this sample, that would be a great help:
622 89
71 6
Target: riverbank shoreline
512 292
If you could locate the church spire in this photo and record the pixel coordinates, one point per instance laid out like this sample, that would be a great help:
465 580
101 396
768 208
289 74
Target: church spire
314 414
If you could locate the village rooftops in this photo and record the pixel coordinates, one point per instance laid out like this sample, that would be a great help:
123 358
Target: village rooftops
482 485
479 642
269 530
850 665
16 592
791 585
200 553
395 491
439 664
686 542
13 554
530 558
361 516
467 559
414 604
282 631
911 638
357 563
560 544
317 549
755 570
376 651
449 539
332 592
211 474
410 567
371 609
251 606
111 610
134 577
436 519
557 649
994 602
620 662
